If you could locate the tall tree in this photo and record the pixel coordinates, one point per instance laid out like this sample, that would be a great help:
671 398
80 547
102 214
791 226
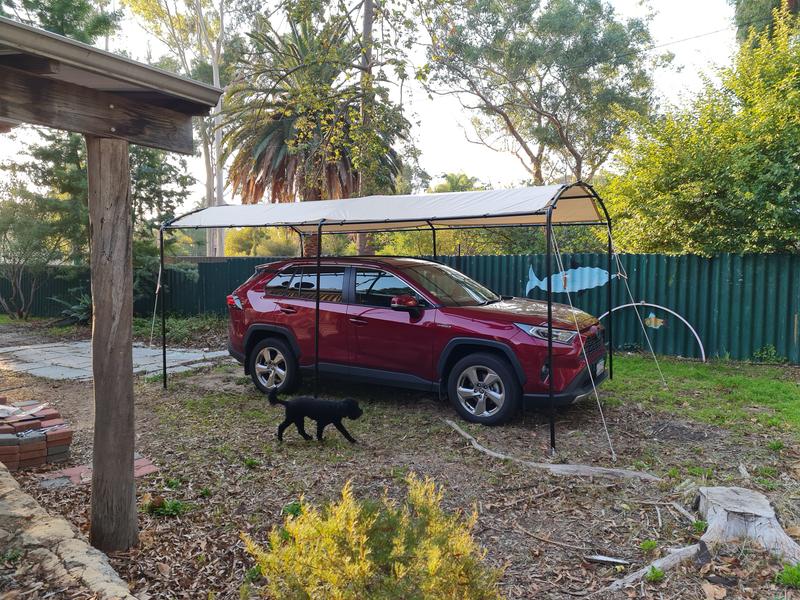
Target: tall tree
81 20
720 174
203 41
294 116
548 80
755 16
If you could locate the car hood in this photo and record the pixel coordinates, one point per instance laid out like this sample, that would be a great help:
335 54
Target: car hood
531 312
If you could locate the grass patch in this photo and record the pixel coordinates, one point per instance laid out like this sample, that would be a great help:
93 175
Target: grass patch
654 575
731 395
160 507
648 546
789 576
183 330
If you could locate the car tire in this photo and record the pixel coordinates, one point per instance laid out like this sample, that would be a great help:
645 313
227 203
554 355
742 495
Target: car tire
267 360
477 401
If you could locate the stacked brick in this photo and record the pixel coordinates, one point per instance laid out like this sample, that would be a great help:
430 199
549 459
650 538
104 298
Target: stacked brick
28 441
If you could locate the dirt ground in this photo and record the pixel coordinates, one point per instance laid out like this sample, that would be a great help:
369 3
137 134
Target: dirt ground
213 436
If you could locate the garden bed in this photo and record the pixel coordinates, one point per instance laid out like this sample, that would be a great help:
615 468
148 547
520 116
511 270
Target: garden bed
213 436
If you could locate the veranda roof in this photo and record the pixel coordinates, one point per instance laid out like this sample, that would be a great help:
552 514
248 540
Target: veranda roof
572 204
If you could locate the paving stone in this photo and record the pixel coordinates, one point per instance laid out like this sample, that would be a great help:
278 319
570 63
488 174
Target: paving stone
37 437
57 449
55 482
8 439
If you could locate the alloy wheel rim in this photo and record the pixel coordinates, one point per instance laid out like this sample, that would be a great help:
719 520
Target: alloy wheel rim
480 391
270 367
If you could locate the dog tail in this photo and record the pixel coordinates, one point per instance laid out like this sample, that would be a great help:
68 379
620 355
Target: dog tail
273 397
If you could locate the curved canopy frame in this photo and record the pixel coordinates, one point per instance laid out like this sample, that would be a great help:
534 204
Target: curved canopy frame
575 204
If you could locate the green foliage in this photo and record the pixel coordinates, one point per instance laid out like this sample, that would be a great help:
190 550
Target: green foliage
359 549
79 309
769 355
251 463
755 16
205 493
699 527
293 122
719 175
160 507
261 241
789 576
293 509
654 575
31 238
173 483
551 81
775 445
11 555
184 330
80 20
648 546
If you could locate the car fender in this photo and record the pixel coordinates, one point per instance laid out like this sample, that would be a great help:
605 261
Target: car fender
454 343
263 327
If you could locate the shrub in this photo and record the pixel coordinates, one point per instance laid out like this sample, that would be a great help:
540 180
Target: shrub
161 507
654 575
648 546
699 527
789 576
355 549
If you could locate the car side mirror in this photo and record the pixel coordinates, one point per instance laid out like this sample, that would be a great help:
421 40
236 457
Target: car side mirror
404 302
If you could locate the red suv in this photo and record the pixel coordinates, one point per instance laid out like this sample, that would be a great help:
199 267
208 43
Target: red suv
415 324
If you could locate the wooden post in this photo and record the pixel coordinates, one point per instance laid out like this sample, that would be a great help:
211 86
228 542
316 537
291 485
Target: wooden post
113 516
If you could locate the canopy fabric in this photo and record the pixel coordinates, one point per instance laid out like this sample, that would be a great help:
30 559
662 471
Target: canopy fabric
573 204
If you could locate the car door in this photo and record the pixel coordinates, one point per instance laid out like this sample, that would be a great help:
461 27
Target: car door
387 339
294 292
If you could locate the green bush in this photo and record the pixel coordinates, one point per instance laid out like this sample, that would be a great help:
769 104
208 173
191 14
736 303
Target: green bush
654 575
356 549
789 576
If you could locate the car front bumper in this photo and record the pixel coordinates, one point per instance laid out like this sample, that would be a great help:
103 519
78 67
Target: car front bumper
580 388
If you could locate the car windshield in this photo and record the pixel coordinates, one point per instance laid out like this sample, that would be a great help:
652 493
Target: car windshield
451 287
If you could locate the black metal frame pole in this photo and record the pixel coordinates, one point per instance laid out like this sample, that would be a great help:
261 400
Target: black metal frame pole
316 313
550 369
433 234
610 299
161 288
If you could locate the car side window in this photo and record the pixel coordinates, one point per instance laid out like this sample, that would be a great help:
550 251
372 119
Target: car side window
286 283
376 288
331 283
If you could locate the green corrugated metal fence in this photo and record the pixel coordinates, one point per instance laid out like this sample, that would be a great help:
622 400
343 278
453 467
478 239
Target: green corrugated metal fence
739 305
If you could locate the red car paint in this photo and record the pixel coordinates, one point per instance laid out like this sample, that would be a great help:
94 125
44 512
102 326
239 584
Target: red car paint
408 346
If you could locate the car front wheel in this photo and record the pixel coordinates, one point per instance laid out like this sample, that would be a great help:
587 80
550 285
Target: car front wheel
273 365
483 389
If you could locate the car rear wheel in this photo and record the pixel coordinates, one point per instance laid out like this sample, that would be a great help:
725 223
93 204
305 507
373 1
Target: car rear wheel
273 365
483 389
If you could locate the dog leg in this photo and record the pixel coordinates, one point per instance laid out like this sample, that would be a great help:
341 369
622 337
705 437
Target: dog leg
302 430
345 433
281 428
320 429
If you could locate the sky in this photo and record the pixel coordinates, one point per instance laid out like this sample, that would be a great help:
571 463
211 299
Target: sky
444 128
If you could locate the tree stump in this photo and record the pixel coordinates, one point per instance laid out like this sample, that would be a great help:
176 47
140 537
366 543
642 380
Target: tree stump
739 514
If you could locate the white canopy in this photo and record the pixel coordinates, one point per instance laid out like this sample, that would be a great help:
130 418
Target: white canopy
572 204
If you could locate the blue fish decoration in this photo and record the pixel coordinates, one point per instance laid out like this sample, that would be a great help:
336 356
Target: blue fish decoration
578 279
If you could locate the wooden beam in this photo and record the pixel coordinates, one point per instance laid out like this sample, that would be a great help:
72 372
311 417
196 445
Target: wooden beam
38 100
113 511
31 64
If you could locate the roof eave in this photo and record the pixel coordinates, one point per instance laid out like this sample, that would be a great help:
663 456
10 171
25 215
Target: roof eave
37 42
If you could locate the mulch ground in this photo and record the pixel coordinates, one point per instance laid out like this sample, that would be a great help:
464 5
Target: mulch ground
213 436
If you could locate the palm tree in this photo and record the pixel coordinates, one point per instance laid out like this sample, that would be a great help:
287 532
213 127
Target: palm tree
292 118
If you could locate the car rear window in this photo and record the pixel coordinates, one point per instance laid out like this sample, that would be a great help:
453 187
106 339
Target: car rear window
301 282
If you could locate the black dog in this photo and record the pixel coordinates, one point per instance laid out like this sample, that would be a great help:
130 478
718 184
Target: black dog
324 412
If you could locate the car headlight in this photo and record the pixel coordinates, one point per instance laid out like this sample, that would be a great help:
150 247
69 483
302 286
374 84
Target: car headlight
562 336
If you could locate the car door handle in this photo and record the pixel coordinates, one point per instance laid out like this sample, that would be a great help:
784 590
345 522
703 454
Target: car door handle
287 310
358 321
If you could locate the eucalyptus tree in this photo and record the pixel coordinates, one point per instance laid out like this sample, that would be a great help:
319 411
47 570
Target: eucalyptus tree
756 16
549 80
294 119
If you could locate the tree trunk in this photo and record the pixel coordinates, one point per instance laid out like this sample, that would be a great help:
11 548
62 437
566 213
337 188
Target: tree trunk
310 240
363 240
113 514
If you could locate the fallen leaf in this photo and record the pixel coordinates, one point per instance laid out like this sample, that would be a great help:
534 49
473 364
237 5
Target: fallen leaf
793 531
163 568
713 592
